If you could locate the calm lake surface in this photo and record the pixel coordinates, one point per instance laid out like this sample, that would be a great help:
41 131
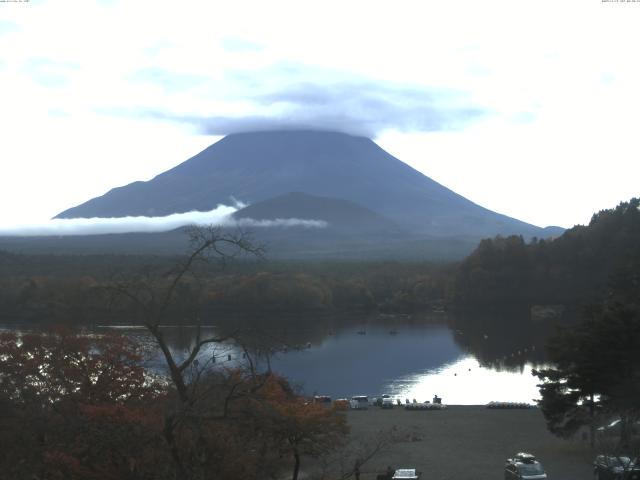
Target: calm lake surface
418 361
466 361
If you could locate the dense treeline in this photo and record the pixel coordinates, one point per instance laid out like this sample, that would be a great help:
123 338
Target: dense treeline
572 269
387 286
70 289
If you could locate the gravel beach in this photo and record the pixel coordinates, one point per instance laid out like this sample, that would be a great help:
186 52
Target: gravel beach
468 442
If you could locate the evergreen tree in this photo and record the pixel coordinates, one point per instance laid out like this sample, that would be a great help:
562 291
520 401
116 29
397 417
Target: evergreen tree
596 372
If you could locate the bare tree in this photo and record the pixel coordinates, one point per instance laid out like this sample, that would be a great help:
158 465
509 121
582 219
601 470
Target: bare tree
172 297
241 411
155 297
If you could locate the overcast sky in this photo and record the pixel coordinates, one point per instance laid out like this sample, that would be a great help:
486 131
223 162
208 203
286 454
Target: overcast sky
529 108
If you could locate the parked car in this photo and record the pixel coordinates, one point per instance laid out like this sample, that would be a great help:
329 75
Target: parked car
386 401
359 402
377 401
406 474
524 466
323 399
615 467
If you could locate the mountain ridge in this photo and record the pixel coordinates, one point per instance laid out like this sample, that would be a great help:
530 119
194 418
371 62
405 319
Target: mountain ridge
255 166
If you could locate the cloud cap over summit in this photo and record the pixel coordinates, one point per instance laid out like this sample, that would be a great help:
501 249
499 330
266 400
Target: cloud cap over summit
293 96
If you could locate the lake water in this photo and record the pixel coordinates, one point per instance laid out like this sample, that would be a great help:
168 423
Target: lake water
416 361
465 363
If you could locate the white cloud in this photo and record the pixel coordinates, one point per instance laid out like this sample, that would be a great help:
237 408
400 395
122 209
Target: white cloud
221 216
95 226
279 222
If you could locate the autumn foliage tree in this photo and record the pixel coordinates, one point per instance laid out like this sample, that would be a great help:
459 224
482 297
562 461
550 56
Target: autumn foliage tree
296 428
77 406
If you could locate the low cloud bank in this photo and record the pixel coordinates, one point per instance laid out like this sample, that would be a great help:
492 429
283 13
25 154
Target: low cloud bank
96 226
280 222
221 215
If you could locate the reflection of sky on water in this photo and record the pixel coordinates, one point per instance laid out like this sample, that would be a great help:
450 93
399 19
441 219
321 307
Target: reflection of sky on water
465 381
416 362
347 363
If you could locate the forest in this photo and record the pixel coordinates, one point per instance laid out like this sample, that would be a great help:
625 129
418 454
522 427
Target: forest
502 272
52 289
576 268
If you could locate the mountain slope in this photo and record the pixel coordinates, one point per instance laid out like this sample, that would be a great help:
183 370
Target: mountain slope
256 166
339 214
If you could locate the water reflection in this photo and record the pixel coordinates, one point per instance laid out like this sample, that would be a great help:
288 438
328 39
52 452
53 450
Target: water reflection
467 382
348 363
467 358
465 363
502 339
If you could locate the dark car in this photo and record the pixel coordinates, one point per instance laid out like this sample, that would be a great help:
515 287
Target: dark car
322 399
524 466
615 467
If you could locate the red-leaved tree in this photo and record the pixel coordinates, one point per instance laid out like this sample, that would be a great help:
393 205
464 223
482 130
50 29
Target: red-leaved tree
78 406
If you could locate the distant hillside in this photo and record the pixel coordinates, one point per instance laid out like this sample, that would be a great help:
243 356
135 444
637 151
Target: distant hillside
295 243
339 214
351 232
578 267
254 167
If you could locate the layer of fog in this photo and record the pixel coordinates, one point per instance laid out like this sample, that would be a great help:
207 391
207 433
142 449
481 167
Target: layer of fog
220 216
278 222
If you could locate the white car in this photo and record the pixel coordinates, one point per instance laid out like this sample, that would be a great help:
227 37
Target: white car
406 474
387 401
359 402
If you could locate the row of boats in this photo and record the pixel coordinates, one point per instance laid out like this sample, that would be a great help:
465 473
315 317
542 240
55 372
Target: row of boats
509 405
362 402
